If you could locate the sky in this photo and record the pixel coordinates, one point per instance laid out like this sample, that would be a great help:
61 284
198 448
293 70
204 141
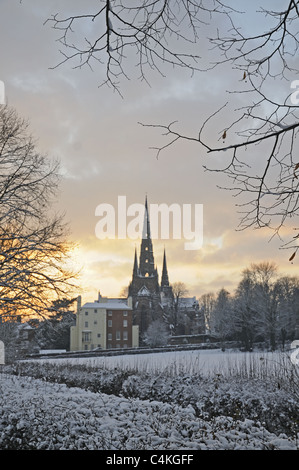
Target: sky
106 153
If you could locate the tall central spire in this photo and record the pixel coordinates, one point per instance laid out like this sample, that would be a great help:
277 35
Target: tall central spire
146 264
146 233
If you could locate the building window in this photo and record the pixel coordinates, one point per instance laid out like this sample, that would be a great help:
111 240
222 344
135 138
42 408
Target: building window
118 346
125 313
86 336
99 335
86 313
95 322
95 310
125 336
125 323
110 313
110 336
86 324
110 323
118 335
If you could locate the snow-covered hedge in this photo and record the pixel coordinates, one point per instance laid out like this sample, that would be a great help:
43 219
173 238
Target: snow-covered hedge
272 402
36 414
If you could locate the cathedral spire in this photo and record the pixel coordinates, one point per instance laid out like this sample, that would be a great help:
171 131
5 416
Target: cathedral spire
146 263
146 233
164 279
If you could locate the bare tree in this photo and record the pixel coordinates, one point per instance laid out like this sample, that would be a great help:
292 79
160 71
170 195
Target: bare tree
121 36
264 299
33 248
221 315
206 305
259 144
175 315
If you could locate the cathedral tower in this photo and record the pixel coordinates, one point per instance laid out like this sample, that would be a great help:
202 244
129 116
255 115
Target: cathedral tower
144 288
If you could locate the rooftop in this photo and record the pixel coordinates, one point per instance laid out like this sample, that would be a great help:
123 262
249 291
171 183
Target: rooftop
109 304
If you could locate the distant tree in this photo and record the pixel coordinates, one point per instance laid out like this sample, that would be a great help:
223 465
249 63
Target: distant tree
156 334
175 316
265 299
124 292
244 311
54 331
222 314
206 305
288 306
179 290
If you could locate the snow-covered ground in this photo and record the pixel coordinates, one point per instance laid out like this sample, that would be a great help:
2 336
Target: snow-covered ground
185 400
204 362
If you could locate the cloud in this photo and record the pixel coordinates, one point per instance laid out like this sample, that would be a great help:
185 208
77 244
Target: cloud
105 152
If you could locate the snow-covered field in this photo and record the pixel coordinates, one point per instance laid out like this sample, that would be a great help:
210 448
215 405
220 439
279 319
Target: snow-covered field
179 401
204 362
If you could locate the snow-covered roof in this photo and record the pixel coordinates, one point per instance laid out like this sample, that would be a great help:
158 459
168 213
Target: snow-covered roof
24 326
113 304
187 301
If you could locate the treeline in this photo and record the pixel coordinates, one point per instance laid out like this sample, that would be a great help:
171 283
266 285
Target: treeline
50 330
264 308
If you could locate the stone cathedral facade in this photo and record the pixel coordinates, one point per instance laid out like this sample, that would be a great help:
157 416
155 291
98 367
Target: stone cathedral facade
153 300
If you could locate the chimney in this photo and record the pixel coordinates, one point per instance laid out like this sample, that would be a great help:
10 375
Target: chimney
79 302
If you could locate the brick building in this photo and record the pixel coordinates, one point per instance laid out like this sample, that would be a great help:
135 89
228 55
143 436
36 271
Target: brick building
104 323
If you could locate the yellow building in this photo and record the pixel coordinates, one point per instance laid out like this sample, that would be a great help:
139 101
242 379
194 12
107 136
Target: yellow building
105 323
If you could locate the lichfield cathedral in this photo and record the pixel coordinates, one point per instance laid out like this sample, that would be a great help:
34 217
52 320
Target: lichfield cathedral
153 300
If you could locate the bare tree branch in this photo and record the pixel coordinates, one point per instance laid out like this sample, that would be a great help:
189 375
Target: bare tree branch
33 248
